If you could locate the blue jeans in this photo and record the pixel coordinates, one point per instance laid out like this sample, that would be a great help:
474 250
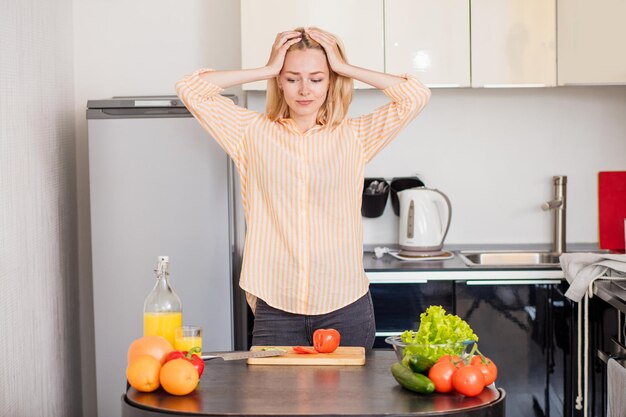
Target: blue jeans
355 323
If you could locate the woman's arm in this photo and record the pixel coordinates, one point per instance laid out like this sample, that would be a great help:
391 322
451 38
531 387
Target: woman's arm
376 79
225 79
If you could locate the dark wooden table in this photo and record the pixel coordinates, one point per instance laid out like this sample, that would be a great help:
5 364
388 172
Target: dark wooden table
235 389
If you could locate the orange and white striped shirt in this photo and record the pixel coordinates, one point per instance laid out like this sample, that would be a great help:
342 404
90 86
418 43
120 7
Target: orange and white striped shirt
301 193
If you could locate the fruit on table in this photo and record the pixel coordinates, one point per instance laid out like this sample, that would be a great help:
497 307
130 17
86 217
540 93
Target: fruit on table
143 373
304 349
156 346
411 380
468 380
487 367
179 377
326 340
441 375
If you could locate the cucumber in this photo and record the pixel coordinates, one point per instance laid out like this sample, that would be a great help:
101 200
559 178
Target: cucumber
410 380
418 363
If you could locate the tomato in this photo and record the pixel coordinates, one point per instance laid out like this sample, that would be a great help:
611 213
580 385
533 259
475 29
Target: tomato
454 359
441 375
468 380
326 340
487 367
303 349
190 356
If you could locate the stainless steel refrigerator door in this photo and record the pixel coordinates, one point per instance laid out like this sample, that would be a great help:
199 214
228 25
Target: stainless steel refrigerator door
159 186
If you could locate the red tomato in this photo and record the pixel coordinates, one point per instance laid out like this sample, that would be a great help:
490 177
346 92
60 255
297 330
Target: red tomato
441 375
468 380
303 349
455 360
326 340
487 367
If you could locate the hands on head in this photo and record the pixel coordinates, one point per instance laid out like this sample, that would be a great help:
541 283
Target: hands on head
284 41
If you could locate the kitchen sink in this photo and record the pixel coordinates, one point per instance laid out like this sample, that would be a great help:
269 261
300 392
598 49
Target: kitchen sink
509 258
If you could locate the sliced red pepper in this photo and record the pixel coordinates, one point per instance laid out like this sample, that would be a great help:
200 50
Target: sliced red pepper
303 349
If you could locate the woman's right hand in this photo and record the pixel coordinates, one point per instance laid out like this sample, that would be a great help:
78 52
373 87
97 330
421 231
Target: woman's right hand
282 43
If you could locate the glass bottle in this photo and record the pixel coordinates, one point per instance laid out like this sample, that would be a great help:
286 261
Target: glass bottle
162 310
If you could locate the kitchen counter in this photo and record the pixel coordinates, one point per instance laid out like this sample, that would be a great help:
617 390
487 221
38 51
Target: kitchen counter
235 389
389 269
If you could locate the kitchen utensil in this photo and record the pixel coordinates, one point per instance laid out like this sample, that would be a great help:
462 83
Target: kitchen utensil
344 355
375 194
399 184
244 354
611 209
424 221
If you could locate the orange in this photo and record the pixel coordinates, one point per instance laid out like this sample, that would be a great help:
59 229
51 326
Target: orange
179 377
143 373
155 346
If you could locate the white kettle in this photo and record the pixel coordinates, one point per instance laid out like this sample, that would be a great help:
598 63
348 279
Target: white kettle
424 221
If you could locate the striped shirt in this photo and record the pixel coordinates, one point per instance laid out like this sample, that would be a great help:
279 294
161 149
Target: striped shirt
301 193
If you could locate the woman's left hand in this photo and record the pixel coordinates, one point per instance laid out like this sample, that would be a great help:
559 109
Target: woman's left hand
329 43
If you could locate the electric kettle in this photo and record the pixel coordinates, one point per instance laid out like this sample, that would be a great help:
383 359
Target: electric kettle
424 221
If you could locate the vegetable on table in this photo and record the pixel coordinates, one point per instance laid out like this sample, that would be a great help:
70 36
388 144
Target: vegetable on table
326 340
411 380
191 356
486 366
468 380
441 375
417 363
439 334
304 349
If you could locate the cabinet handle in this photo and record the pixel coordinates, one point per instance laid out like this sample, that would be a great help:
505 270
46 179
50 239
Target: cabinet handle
513 282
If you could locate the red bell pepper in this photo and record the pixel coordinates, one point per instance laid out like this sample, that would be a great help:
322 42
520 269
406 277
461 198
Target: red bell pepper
191 356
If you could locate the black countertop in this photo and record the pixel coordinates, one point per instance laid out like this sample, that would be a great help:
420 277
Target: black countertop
232 388
388 263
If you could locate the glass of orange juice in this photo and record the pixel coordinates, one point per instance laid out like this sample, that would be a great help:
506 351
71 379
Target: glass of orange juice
188 337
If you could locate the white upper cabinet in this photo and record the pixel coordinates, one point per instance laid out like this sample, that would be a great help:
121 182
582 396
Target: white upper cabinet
592 42
358 23
513 43
429 39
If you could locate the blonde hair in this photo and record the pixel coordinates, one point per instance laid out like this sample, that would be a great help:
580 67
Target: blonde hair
340 88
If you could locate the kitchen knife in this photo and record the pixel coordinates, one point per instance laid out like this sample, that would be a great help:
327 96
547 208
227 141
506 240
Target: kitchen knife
244 354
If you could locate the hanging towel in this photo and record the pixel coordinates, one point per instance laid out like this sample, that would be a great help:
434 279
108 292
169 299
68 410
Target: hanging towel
616 396
581 269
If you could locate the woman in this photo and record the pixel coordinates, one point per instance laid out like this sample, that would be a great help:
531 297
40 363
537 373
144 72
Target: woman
302 166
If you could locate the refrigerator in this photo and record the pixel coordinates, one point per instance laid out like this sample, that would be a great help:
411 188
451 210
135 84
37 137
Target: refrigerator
159 185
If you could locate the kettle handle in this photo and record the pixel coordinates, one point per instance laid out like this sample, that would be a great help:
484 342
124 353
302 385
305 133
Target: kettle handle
448 210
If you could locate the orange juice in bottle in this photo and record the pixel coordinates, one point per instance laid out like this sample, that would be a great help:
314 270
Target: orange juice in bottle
162 312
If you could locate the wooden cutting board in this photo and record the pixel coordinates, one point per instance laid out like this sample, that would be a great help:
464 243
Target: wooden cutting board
611 209
344 355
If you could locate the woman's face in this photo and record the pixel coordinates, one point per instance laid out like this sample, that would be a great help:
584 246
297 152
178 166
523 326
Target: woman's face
304 80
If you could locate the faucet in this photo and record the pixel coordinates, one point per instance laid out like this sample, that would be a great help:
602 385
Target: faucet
559 206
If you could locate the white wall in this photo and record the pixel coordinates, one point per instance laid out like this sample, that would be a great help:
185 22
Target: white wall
40 366
139 47
494 152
